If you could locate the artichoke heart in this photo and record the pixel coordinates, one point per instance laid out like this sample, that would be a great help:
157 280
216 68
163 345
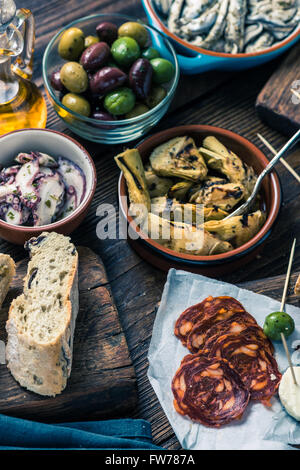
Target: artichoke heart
157 186
175 211
219 158
223 196
179 157
214 213
130 163
187 213
184 238
239 229
179 190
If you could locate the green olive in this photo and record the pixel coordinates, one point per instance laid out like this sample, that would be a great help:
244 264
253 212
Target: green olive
125 51
150 53
137 111
71 44
277 323
157 94
134 30
77 103
163 70
89 40
74 77
120 101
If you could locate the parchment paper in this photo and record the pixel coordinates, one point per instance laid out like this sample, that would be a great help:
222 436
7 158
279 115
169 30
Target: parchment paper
182 290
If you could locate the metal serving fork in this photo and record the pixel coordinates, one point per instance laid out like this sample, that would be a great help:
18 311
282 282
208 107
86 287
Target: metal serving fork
247 205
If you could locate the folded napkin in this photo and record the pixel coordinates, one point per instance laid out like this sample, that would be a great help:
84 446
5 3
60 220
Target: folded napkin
21 434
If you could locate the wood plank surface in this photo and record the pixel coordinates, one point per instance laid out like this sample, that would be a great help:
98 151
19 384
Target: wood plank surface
217 98
102 382
276 104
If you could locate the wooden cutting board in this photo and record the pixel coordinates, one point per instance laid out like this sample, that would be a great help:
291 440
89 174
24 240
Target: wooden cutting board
102 382
276 104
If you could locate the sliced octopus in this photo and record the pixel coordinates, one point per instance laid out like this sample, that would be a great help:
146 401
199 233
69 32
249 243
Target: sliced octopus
36 191
209 391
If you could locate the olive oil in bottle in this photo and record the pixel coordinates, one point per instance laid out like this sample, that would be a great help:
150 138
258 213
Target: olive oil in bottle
21 102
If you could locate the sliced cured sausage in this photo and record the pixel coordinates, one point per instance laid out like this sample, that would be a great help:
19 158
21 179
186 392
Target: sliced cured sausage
222 307
209 391
238 323
252 360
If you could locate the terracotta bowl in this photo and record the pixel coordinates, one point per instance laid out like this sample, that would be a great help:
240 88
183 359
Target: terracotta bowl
214 265
55 144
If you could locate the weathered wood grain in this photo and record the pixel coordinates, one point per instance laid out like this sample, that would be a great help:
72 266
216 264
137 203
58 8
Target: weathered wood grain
102 382
275 104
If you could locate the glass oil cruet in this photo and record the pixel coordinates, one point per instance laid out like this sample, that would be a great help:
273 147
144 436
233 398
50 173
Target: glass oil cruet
21 103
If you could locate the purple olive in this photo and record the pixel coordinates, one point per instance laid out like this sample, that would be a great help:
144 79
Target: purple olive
95 56
107 32
103 116
107 79
56 82
140 77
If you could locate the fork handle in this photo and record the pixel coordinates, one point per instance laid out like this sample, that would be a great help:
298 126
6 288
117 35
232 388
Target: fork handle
277 157
273 162
247 205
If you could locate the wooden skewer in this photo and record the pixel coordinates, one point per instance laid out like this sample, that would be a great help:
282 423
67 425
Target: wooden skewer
288 357
282 160
286 284
288 274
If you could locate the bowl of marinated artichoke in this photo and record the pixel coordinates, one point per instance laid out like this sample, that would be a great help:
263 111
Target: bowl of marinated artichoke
177 189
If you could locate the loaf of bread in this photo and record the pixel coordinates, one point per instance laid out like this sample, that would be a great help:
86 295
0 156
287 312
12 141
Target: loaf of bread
41 321
7 272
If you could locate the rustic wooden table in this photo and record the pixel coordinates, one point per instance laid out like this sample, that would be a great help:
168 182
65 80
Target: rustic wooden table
217 98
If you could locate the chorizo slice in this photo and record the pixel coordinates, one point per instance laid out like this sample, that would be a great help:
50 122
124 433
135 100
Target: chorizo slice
209 391
206 309
238 323
250 357
223 310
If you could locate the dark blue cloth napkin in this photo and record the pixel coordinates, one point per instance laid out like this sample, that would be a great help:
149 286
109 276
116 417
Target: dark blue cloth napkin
21 434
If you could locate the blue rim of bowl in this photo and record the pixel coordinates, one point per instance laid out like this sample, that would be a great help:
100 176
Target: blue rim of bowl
120 121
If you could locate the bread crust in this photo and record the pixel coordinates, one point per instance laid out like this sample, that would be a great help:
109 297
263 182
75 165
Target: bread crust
7 272
43 367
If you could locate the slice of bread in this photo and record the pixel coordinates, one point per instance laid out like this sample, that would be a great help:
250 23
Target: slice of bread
7 272
41 321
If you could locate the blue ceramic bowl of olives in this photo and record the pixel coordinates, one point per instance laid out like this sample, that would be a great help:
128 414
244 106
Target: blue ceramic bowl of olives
109 77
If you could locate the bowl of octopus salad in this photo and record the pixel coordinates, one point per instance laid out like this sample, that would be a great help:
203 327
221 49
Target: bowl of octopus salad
177 189
47 182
